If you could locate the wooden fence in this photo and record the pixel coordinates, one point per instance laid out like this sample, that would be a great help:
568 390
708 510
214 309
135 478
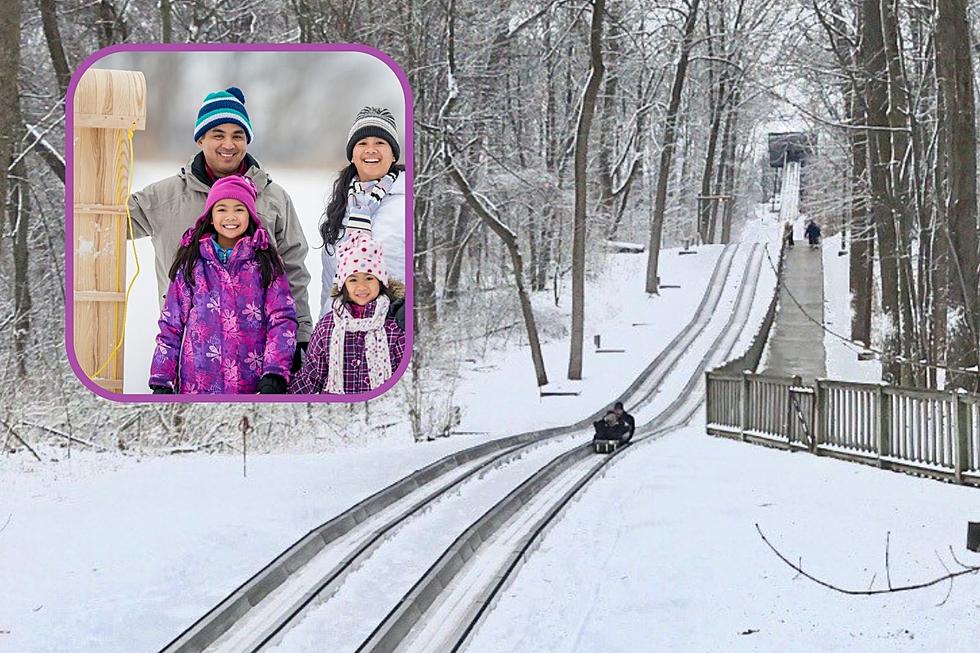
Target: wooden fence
926 432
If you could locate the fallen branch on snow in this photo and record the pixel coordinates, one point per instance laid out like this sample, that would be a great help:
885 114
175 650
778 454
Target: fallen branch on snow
70 438
195 448
11 431
950 575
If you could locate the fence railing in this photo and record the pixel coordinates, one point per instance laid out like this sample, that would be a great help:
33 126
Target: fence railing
920 431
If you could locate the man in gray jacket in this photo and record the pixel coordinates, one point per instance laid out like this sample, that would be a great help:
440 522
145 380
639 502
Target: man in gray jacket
164 210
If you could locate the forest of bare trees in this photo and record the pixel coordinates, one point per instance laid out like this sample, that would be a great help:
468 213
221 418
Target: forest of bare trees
541 131
906 112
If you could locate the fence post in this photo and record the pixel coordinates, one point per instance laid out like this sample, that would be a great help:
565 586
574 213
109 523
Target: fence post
707 396
792 410
817 416
884 425
743 413
962 415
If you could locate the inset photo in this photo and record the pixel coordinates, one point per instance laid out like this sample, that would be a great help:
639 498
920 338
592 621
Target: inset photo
239 223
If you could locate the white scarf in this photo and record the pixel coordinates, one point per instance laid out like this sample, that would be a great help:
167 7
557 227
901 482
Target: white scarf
375 345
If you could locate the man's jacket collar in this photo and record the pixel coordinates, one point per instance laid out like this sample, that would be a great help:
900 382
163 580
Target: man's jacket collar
195 171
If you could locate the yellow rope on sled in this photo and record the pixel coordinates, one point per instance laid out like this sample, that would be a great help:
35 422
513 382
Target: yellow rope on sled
120 328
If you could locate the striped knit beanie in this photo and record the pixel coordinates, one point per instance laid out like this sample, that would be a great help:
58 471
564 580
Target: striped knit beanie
373 121
222 107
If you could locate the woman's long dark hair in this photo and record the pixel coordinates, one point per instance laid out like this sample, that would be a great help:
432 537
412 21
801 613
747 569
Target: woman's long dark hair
332 221
270 263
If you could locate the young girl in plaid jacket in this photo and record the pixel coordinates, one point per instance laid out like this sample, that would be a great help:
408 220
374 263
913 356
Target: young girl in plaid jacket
355 346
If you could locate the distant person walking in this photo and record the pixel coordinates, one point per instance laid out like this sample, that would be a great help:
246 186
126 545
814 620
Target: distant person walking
812 234
165 209
788 233
369 194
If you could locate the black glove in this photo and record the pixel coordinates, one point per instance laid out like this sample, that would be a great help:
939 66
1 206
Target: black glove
161 390
299 355
397 311
272 384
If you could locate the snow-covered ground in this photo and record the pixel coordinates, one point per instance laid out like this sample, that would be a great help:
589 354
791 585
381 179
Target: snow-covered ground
842 355
123 559
766 227
499 393
116 554
661 554
125 554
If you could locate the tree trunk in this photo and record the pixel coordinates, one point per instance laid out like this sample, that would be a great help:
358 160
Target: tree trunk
49 20
861 260
899 191
22 290
937 264
112 27
705 204
510 242
873 63
425 290
167 21
10 127
717 100
607 148
18 207
955 68
586 113
724 164
457 248
728 168
921 67
666 154
541 267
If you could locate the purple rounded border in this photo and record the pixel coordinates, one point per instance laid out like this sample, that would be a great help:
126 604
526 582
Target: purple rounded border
409 149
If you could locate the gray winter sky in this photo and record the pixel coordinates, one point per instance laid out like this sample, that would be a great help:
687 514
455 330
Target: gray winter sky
301 104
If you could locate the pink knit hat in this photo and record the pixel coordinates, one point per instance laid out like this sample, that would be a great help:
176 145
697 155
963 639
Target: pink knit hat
232 187
360 253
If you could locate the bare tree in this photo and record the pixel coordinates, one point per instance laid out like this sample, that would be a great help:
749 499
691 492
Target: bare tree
667 149
581 190
52 35
872 60
485 211
10 127
954 61
20 216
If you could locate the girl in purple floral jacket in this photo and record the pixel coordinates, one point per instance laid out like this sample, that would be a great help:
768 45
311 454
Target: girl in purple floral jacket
228 324
355 346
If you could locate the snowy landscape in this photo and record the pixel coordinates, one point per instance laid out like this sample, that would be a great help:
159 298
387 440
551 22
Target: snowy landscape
662 548
755 224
